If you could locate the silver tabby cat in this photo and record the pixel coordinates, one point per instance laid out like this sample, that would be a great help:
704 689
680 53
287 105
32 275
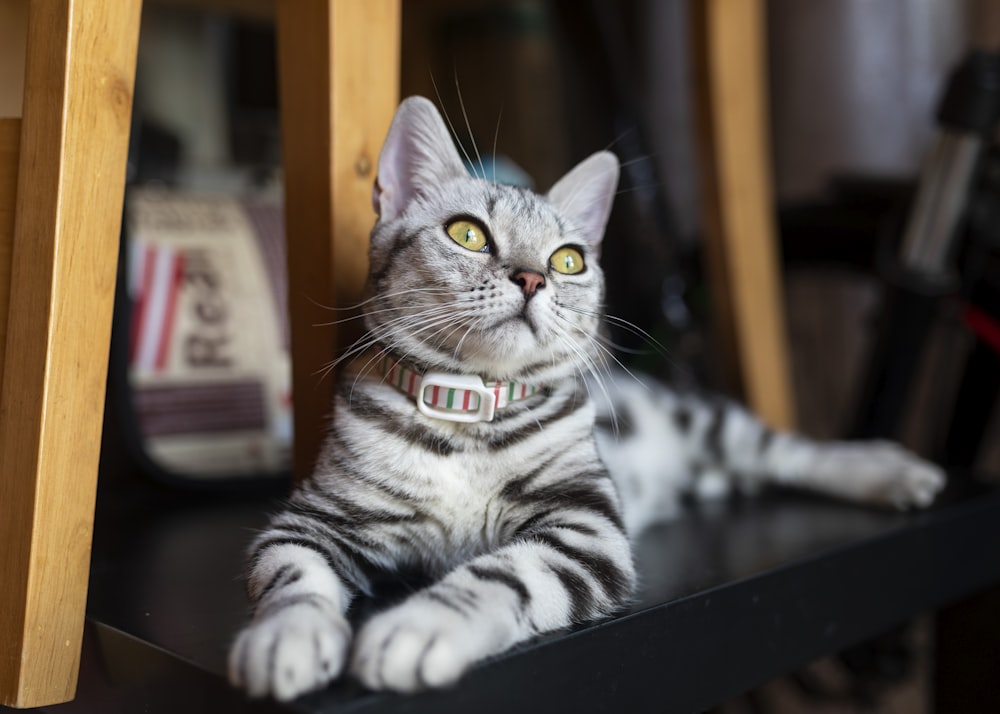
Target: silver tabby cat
464 443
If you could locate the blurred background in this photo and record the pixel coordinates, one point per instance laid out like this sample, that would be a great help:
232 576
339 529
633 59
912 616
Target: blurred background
539 84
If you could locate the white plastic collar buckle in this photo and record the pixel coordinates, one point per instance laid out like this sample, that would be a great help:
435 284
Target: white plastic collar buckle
461 384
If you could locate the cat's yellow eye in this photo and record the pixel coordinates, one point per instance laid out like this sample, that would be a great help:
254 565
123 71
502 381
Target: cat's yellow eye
467 234
567 260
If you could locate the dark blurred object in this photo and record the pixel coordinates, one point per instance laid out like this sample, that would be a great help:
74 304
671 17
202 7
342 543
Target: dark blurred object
919 273
652 277
949 247
967 650
880 663
154 154
252 75
980 269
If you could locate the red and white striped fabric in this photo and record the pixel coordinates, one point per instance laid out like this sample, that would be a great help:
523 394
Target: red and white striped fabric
155 276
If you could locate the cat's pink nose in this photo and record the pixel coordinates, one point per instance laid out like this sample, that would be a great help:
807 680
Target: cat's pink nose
529 280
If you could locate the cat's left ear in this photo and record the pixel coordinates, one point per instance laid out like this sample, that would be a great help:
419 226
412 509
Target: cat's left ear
585 195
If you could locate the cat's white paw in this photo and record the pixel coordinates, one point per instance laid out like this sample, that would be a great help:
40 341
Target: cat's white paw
297 649
417 645
885 474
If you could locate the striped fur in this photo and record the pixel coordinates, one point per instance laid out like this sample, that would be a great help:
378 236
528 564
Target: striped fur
662 445
517 522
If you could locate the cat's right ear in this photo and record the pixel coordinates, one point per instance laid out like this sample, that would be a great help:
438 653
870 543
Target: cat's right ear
585 196
417 157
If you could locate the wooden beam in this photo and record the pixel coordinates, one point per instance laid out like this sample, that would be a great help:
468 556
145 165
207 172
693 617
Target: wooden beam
13 33
10 141
739 225
74 136
339 85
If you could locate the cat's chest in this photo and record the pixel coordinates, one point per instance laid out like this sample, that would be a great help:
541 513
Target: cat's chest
460 488
451 482
459 503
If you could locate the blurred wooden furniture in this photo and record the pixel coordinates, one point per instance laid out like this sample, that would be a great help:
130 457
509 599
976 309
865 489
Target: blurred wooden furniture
339 78
64 159
62 170
730 46
330 166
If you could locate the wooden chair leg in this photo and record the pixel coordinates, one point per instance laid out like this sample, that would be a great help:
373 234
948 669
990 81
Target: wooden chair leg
13 23
339 85
10 141
740 248
74 135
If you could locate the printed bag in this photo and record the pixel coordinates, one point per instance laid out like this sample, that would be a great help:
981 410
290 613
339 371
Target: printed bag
206 359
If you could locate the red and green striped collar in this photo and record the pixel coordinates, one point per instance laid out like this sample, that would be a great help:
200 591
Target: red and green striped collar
452 397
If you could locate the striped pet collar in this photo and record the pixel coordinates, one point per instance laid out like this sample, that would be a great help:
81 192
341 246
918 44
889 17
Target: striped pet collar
453 397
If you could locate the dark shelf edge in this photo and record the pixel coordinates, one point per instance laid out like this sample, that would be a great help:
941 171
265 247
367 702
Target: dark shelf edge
696 652
684 655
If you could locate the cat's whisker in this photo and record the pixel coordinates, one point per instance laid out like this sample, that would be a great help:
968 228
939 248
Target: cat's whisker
378 335
637 160
468 126
428 334
633 189
341 321
598 378
430 325
366 368
658 348
541 427
380 298
457 352
610 343
373 298
583 357
626 325
606 357
619 364
592 368
451 126
496 137
405 309
621 136
391 295
474 323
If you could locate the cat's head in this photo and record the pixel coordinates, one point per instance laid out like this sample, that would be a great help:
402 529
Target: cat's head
474 277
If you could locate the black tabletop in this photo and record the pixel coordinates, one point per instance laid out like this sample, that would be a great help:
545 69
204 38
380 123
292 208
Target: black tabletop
731 594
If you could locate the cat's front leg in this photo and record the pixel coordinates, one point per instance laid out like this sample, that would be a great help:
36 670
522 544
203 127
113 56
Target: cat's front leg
545 582
298 639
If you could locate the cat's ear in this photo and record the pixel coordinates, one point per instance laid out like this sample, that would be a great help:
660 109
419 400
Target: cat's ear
586 193
417 157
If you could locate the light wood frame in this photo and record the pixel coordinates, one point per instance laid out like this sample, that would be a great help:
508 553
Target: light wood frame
339 87
730 43
73 140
